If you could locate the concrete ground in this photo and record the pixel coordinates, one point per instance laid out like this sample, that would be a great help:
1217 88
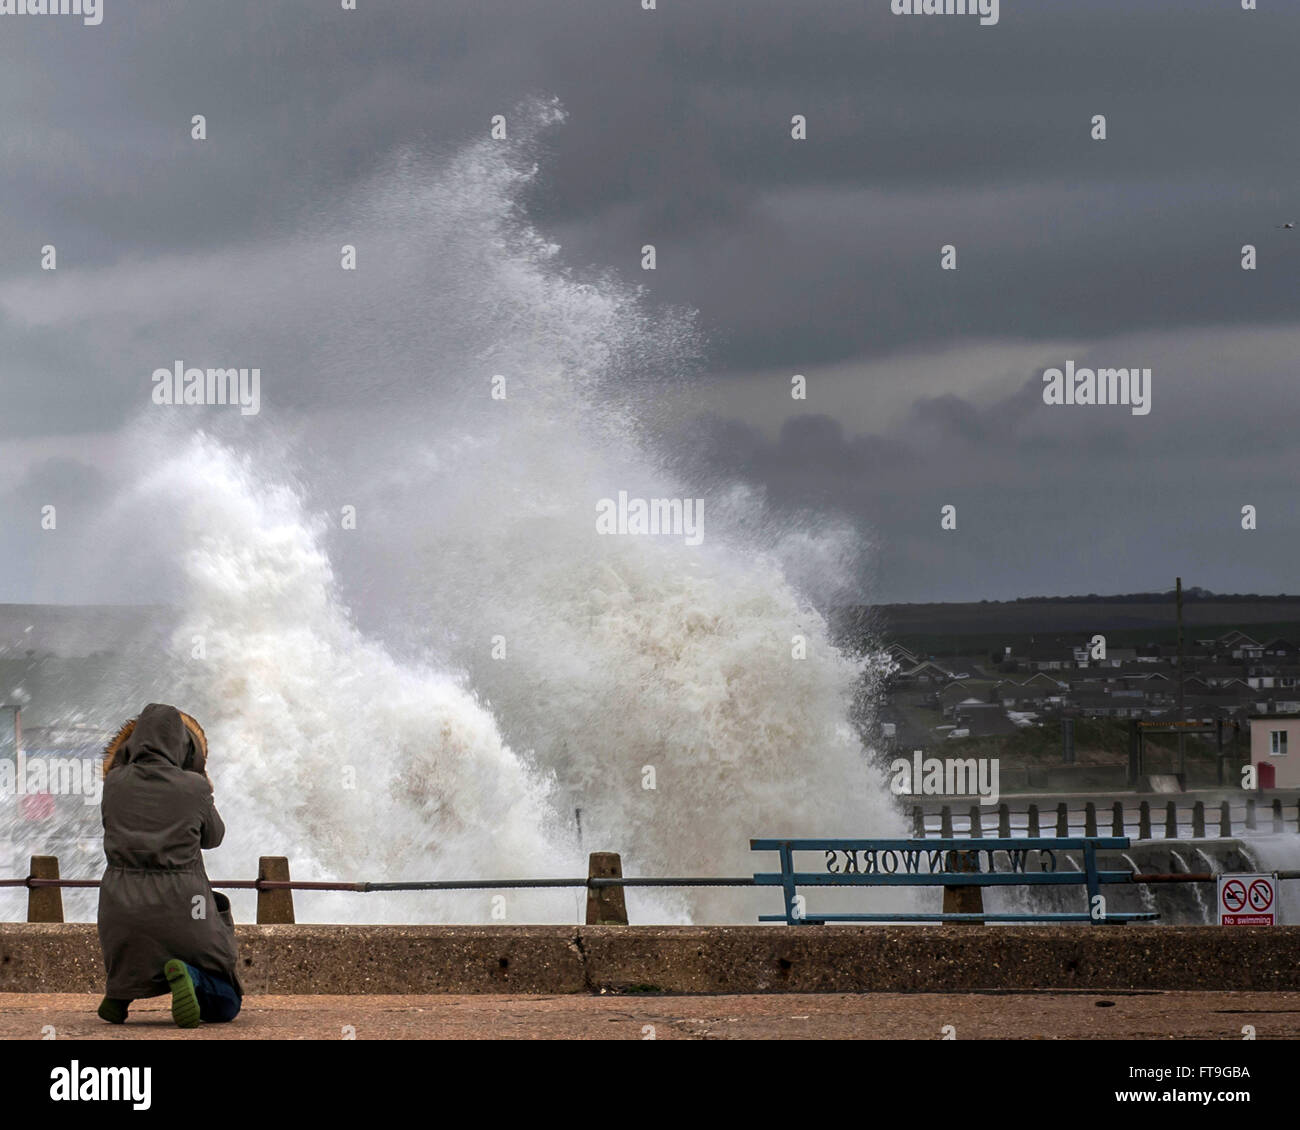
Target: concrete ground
886 1016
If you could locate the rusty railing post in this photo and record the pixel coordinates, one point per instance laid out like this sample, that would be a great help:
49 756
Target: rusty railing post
275 906
605 905
963 899
44 904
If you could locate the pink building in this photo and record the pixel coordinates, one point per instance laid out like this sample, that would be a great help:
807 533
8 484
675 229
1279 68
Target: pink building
1275 749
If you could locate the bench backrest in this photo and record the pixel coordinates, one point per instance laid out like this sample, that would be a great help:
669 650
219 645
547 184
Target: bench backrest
939 862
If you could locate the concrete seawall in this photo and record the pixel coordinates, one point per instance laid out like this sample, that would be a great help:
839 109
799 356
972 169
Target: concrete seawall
698 959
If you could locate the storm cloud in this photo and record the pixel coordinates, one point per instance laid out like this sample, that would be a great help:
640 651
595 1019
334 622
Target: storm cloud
817 257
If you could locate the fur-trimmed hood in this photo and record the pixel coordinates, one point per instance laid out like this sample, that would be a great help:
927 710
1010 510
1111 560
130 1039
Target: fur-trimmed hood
160 731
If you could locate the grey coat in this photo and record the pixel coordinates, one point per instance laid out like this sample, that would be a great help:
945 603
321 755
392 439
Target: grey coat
155 901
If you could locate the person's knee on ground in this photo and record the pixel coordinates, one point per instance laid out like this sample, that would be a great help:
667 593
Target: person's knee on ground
199 996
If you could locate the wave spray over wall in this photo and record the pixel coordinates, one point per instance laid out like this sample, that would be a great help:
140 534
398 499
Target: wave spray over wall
473 682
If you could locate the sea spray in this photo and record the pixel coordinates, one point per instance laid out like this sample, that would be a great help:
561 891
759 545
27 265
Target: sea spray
438 689
324 748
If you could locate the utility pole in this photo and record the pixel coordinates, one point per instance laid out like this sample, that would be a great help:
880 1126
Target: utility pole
1182 707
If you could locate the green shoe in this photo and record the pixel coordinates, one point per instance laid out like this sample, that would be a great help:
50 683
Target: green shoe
185 1004
113 1010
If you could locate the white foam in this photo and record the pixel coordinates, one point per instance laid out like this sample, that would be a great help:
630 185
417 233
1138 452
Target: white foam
369 651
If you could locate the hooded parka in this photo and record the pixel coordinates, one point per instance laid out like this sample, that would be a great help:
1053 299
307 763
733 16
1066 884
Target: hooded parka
155 901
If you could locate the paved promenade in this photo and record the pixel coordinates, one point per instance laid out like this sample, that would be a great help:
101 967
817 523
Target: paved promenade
884 1016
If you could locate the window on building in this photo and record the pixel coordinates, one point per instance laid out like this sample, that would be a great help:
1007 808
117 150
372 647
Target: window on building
1277 742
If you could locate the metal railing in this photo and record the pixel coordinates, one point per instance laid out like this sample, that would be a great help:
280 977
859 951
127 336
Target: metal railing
604 884
1149 822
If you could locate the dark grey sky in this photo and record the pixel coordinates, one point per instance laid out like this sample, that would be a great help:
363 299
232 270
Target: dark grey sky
817 257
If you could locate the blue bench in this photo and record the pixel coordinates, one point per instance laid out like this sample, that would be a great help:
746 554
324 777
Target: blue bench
897 863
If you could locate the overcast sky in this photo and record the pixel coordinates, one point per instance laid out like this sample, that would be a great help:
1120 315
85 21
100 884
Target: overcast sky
817 257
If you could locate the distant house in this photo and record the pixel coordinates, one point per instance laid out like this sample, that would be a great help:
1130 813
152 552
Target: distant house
1044 683
1103 704
1221 674
1272 677
903 656
983 719
1138 673
1234 639
1240 646
1280 649
1147 681
962 691
1037 692
1006 691
1053 655
1115 657
1275 749
925 673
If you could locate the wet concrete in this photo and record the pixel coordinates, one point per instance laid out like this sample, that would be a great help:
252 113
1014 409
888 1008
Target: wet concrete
326 959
